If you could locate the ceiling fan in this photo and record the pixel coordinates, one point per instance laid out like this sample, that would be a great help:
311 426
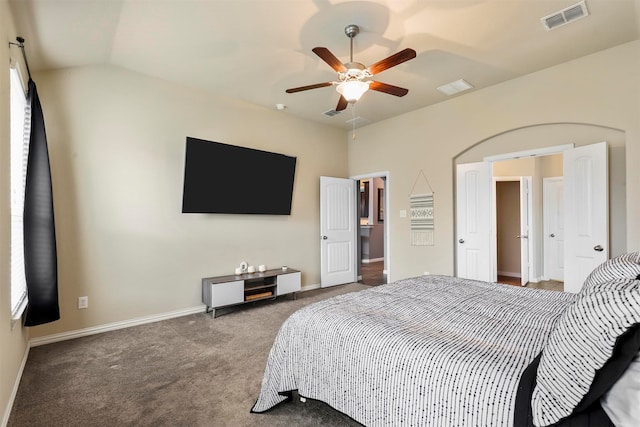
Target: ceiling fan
352 76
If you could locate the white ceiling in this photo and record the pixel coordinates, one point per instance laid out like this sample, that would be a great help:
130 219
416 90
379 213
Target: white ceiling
255 49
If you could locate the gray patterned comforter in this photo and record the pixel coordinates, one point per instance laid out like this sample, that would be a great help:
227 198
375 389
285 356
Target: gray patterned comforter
431 350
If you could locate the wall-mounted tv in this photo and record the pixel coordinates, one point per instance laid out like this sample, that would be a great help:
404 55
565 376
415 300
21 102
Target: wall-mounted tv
226 179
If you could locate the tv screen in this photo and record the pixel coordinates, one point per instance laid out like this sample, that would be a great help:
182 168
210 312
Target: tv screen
222 178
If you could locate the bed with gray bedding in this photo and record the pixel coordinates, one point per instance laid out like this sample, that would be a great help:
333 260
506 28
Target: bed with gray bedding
430 350
444 351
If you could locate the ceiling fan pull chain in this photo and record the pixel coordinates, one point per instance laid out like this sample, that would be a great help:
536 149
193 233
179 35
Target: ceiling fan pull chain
353 122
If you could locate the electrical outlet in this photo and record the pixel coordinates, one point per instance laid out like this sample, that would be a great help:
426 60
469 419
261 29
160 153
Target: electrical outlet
426 273
83 302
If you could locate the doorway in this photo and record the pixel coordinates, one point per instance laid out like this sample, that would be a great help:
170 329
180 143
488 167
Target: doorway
372 234
586 208
510 261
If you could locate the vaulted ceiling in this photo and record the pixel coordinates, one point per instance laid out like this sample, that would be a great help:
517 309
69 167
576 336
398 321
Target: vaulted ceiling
255 49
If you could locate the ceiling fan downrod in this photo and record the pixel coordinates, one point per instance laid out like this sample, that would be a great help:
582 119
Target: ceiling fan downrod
351 31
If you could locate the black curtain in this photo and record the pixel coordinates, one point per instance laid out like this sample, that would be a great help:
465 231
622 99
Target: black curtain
40 256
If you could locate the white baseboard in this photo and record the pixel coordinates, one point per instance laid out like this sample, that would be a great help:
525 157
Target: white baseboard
14 391
368 261
310 287
48 339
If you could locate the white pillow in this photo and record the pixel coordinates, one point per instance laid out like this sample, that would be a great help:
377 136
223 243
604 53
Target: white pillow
622 402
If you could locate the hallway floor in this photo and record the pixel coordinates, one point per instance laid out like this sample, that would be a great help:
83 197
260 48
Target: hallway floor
372 273
551 285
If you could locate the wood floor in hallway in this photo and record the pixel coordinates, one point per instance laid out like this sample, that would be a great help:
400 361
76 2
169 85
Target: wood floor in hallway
373 273
551 285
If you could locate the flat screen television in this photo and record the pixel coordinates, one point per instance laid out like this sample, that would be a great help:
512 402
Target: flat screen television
227 179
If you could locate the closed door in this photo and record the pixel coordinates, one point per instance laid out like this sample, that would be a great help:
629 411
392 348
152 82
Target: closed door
525 230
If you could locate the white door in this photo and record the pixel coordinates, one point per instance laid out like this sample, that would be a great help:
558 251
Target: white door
338 231
553 219
473 219
586 220
525 221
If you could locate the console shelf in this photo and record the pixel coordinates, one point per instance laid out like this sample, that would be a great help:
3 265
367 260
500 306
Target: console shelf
223 291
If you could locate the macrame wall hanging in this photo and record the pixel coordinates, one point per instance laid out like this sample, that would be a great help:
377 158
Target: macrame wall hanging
421 209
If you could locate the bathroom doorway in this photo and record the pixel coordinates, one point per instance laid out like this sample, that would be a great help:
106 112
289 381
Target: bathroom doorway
372 235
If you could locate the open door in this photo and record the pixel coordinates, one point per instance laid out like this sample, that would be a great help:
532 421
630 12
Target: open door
473 221
586 219
338 231
553 220
525 221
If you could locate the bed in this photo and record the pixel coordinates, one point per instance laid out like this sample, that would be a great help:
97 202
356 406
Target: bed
444 351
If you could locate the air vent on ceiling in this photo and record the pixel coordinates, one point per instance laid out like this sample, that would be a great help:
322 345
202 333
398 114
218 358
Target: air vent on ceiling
455 87
331 113
565 16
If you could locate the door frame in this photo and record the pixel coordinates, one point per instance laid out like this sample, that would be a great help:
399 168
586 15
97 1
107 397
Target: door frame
529 222
386 222
543 151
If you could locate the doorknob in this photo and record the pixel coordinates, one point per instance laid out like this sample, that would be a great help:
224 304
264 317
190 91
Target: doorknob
461 241
598 248
522 237
324 237
552 235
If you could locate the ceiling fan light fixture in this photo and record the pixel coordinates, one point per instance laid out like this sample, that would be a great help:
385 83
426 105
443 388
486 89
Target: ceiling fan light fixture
352 90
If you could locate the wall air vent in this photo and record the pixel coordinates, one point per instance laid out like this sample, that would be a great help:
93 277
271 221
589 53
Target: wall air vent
331 113
565 16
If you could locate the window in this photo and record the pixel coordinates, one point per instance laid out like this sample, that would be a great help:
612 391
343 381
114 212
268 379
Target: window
20 123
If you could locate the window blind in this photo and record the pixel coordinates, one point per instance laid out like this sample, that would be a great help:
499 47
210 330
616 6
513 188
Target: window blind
20 126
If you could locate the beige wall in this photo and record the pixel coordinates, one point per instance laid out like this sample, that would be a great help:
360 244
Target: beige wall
597 96
117 141
13 337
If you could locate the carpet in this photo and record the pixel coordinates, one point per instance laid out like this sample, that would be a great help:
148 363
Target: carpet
188 371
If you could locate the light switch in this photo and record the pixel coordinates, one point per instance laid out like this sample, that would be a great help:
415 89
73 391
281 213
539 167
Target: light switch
403 213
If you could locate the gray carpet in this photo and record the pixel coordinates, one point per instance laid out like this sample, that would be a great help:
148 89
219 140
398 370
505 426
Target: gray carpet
188 371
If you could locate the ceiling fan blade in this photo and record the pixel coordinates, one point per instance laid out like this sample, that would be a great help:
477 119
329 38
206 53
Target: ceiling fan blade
315 86
330 59
342 103
392 61
390 89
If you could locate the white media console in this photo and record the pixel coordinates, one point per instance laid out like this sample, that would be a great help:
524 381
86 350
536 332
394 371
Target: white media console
222 291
